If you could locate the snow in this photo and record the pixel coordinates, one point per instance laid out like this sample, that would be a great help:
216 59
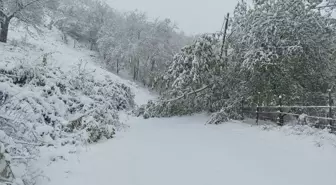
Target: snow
45 129
182 150
61 55
302 118
43 138
179 150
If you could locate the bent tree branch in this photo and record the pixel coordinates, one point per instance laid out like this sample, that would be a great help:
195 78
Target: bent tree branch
188 94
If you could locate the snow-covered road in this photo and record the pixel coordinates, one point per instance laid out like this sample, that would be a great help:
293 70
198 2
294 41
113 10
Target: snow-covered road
184 151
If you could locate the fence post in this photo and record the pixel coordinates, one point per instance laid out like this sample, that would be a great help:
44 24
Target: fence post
330 108
280 119
258 101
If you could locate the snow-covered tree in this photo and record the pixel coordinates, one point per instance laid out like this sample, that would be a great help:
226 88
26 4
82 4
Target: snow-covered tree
284 47
277 47
30 12
192 80
140 47
82 20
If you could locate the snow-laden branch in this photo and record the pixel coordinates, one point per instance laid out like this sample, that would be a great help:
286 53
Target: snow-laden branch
297 106
6 123
293 114
6 181
81 116
22 7
327 6
188 94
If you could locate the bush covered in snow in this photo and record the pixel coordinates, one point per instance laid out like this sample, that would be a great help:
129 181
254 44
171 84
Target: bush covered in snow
40 105
218 118
164 109
224 115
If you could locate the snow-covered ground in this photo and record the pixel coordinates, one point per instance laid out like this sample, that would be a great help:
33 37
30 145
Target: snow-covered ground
183 151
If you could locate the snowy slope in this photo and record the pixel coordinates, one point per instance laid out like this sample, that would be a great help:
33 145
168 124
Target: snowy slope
33 47
183 151
43 110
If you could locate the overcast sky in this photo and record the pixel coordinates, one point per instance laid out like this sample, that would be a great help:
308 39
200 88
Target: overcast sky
191 16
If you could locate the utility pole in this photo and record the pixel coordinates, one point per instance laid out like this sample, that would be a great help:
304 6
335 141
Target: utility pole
224 34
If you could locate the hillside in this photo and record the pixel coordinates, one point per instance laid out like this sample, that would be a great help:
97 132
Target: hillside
58 97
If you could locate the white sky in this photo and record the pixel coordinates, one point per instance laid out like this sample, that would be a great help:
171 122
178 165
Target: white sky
191 16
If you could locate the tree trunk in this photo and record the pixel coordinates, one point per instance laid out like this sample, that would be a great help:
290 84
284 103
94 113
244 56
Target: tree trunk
151 74
4 30
138 69
91 45
117 66
152 65
134 68
51 24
